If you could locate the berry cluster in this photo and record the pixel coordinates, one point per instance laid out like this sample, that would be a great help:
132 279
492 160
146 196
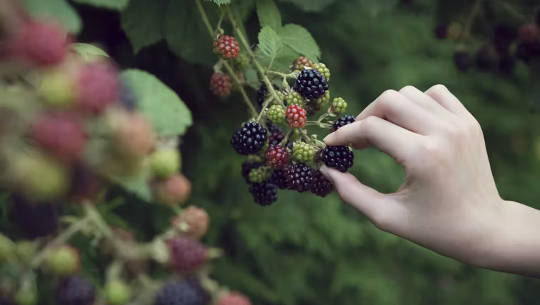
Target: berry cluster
71 136
280 152
497 45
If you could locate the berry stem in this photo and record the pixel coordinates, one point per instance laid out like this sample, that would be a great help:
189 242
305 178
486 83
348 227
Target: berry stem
247 101
470 19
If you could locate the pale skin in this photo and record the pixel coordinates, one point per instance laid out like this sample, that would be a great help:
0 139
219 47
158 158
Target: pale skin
449 202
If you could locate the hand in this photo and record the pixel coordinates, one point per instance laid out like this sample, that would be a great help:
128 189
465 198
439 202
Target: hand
449 201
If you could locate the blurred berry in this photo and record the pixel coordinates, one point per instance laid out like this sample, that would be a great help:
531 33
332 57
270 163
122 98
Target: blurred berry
99 86
187 254
75 290
196 219
463 60
173 190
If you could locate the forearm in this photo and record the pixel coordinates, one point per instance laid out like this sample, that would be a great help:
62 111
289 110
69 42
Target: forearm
514 245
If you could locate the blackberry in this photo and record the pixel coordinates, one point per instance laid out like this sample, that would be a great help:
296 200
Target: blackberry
34 220
75 290
40 43
310 84
454 31
339 157
338 105
440 31
321 101
303 152
278 179
277 156
260 174
221 84
98 86
247 167
296 116
301 62
503 36
264 193
321 186
528 32
299 177
226 46
276 134
294 98
203 294
506 64
276 113
323 70
462 60
196 219
261 94
342 121
187 255
249 139
179 293
486 58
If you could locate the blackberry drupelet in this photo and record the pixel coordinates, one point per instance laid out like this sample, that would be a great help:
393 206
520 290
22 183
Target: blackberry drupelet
338 157
311 84
321 186
261 94
264 193
249 139
179 293
342 121
276 134
278 179
299 177
247 167
75 290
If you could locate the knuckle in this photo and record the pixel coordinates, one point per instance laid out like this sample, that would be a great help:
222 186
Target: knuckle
407 89
438 89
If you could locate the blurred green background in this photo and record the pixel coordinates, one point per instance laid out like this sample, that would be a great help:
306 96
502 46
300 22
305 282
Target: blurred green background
306 250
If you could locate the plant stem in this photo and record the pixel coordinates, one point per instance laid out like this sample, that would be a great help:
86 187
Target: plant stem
73 229
230 71
258 66
470 19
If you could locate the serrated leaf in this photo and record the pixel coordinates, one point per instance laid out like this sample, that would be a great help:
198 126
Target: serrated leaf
219 2
311 5
186 33
167 112
88 51
110 4
300 40
269 42
58 10
142 22
268 14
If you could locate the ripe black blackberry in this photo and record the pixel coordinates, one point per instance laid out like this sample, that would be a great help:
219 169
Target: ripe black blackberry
299 177
463 60
321 186
338 157
311 84
261 94
75 290
342 121
247 167
278 179
34 220
486 58
264 193
249 139
503 36
179 293
276 134
201 292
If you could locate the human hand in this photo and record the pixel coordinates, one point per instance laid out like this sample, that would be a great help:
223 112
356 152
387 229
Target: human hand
449 202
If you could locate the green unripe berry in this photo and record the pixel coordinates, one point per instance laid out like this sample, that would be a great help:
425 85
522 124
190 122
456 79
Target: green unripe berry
338 105
117 293
7 248
26 295
63 260
276 113
323 70
321 101
57 89
260 174
294 98
40 178
25 250
165 162
303 152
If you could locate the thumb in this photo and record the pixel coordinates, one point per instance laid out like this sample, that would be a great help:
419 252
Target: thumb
367 200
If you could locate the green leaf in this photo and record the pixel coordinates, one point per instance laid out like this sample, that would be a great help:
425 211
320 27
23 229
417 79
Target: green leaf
137 184
219 2
374 7
187 35
269 42
59 10
142 22
268 14
311 5
167 112
110 4
300 40
88 51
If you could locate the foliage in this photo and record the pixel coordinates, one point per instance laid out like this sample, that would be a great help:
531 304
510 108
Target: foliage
306 250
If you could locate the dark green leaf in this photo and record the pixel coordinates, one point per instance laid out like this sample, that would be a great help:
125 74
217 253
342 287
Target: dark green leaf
142 21
59 10
300 40
268 14
220 2
311 5
159 103
269 42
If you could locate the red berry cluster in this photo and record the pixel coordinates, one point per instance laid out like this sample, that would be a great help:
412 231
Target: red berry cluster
221 84
296 116
226 46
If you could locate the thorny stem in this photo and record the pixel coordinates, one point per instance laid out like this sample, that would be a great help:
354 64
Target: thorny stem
230 71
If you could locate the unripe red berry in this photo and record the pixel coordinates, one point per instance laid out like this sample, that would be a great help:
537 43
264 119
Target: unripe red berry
301 62
221 84
233 298
196 220
60 134
528 32
98 86
40 43
174 190
296 116
226 46
277 156
132 134
187 254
